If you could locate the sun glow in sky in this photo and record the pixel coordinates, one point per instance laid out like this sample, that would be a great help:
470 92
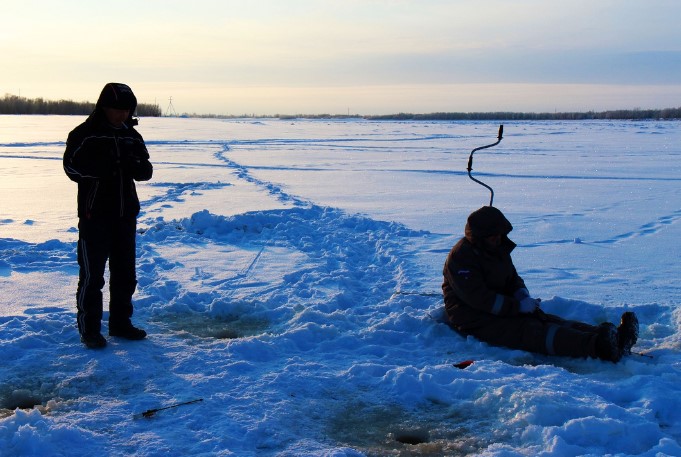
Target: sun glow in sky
338 56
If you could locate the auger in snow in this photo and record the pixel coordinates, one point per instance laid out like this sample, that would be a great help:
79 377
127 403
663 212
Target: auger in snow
470 163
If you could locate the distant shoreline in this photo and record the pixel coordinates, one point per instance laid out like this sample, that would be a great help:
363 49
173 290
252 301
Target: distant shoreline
14 105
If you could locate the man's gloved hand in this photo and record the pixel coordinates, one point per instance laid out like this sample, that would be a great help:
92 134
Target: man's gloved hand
133 151
134 161
130 162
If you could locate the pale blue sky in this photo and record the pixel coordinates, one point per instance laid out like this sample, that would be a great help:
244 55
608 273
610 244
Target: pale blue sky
362 56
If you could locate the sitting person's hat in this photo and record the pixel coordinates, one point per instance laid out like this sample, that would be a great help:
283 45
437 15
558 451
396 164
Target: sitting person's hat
487 221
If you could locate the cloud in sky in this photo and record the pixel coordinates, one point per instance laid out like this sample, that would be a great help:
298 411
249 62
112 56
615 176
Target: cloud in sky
366 56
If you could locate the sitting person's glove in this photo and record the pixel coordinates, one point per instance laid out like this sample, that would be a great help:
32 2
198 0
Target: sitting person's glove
529 305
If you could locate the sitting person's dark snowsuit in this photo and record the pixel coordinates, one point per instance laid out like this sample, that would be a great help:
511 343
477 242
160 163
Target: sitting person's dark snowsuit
485 297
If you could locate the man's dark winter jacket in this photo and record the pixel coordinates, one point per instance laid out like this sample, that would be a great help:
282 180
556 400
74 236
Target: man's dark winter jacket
105 161
479 282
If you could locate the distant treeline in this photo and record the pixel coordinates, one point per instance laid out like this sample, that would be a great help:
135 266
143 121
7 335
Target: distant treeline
13 104
667 113
639 114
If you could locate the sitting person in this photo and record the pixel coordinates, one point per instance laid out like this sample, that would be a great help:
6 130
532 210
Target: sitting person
485 297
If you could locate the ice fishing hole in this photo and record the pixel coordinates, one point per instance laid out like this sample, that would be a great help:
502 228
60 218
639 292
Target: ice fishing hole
390 430
26 399
412 437
20 398
217 327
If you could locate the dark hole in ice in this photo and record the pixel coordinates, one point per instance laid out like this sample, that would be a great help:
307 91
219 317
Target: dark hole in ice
413 437
20 398
218 327
226 334
390 430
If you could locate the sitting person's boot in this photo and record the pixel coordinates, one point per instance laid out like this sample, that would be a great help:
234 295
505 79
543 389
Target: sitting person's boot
627 332
607 343
126 330
93 340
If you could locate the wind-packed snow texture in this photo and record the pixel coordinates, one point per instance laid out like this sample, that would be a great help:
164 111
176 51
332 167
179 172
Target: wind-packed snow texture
289 275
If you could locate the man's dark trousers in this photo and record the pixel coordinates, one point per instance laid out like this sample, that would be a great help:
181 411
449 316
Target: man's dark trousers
102 239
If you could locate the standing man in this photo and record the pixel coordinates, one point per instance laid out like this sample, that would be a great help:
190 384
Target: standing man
105 155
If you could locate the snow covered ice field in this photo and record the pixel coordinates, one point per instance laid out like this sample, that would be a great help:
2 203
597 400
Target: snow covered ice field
289 275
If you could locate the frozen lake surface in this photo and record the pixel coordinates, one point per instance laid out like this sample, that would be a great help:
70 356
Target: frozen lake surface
289 275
